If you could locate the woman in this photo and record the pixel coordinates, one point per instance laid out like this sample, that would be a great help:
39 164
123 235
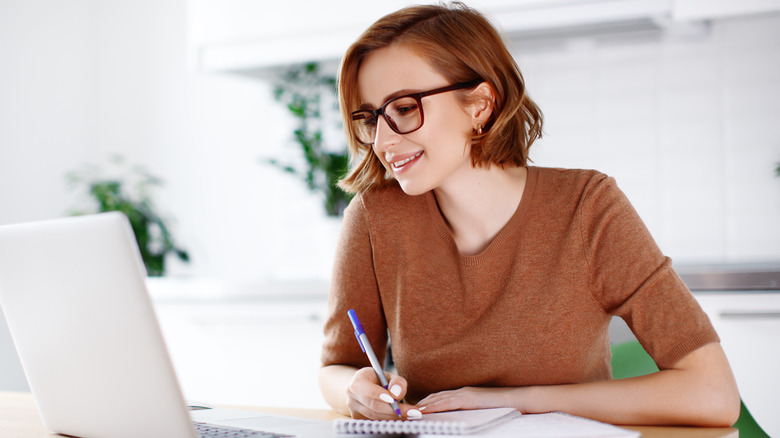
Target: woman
496 281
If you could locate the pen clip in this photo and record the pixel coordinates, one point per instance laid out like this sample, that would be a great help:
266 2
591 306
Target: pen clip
358 328
360 342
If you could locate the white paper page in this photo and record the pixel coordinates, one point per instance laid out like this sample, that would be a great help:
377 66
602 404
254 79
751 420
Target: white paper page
552 425
472 418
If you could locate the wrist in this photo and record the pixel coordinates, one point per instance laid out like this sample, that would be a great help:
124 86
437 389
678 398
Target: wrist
532 400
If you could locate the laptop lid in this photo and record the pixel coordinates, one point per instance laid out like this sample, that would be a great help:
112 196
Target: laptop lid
75 300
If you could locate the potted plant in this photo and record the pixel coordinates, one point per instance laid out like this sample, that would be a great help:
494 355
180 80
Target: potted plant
129 194
310 96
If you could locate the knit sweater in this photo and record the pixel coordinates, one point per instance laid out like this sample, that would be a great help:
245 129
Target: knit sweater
533 308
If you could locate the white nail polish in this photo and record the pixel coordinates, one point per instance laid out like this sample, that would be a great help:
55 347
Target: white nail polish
396 390
413 414
386 398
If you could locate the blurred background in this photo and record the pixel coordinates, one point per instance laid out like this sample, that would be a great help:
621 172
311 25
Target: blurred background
677 99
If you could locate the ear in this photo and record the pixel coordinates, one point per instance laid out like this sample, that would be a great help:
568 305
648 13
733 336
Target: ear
484 99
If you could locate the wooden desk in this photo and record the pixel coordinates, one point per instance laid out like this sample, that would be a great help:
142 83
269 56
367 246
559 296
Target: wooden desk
19 419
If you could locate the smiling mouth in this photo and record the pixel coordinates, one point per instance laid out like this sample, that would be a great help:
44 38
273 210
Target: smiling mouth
399 164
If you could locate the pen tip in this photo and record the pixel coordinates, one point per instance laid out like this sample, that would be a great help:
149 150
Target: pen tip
398 411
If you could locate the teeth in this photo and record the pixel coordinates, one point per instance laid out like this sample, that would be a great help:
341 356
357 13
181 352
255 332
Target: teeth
399 164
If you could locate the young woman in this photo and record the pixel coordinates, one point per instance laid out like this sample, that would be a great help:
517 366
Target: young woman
496 281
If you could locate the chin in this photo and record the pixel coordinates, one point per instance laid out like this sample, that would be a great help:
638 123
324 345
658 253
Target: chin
412 189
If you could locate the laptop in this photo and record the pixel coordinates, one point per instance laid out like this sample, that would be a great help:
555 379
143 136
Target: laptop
74 296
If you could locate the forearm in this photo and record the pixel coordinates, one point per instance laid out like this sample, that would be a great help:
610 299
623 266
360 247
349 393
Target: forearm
699 391
333 380
662 398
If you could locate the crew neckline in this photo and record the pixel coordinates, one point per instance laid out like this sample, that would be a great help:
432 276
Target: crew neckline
510 229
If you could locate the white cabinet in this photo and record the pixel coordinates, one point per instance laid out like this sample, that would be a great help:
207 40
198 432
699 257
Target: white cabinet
749 327
251 37
709 9
258 353
249 344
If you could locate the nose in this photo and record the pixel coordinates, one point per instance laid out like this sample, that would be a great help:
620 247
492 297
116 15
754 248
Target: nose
385 136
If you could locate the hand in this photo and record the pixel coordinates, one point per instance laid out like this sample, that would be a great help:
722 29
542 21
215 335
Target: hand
470 398
366 398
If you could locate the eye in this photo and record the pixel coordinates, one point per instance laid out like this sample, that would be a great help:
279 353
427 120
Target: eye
404 107
365 119
402 110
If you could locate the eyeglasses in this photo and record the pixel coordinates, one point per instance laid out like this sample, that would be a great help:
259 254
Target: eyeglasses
404 114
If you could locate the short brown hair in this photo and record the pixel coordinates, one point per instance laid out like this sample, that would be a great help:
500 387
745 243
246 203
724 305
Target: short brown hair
462 45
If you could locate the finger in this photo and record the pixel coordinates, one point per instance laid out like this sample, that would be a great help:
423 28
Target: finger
450 404
410 412
374 411
442 401
366 398
433 398
389 394
397 386
356 410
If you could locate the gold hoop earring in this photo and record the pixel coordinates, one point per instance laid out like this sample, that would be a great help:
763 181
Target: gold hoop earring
479 129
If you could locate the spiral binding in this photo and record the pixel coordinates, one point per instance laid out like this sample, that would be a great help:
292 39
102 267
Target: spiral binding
397 426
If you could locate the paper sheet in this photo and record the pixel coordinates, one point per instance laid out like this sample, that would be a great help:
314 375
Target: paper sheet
552 425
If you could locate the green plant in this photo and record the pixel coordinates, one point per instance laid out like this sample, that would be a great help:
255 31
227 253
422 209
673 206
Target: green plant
310 96
130 195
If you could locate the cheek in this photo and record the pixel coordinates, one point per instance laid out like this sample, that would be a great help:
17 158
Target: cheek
450 139
380 156
451 124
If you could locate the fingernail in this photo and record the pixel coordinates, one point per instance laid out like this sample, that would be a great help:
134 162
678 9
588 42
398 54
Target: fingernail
386 398
423 408
396 390
413 414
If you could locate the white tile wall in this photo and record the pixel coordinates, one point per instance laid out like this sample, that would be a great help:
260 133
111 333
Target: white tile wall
689 125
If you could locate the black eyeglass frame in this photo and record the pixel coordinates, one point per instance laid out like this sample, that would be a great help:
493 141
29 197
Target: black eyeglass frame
416 96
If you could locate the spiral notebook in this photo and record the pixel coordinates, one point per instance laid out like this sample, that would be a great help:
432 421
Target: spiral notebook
439 423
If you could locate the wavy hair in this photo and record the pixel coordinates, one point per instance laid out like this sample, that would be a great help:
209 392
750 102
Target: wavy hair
461 45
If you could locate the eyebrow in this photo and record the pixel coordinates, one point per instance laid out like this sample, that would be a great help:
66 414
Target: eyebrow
391 96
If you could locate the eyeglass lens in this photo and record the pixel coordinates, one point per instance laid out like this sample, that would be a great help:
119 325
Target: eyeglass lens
404 115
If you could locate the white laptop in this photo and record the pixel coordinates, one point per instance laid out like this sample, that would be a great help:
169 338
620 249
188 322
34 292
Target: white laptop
74 296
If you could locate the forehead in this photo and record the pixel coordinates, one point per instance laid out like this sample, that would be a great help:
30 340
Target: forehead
394 69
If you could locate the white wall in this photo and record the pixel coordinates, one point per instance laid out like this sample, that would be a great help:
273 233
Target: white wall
687 125
80 81
46 103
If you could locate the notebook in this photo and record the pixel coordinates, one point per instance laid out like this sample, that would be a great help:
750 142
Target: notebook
74 296
557 425
439 423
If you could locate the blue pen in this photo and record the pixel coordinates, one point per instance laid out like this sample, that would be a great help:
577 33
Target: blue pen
360 334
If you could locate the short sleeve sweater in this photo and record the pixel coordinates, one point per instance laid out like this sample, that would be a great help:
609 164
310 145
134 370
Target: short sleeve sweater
533 308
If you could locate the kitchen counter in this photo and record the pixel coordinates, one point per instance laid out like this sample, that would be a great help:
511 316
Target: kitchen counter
731 277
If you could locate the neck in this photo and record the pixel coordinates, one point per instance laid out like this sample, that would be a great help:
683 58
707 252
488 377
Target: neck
479 204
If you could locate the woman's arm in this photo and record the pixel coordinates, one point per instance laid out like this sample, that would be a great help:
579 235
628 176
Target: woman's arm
334 380
354 286
699 390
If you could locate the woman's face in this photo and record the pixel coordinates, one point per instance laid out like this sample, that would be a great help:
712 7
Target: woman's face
437 152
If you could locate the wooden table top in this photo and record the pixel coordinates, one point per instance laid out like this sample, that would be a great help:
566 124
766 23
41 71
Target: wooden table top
19 419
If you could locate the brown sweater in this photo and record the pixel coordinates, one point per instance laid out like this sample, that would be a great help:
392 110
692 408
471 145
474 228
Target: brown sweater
532 309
